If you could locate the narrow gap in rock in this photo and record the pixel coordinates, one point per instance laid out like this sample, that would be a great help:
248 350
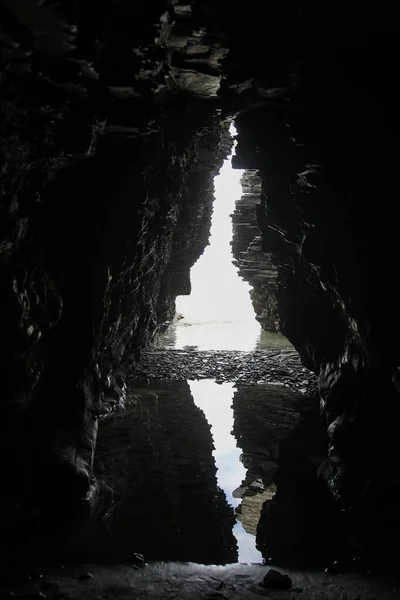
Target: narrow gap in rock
225 334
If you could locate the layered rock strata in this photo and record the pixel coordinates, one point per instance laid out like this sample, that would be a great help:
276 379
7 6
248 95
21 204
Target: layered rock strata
276 366
255 266
320 237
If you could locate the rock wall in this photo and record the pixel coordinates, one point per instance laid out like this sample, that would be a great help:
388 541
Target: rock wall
103 113
321 237
255 266
263 416
106 180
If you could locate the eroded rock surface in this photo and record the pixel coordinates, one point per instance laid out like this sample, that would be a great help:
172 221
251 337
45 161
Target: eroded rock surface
255 266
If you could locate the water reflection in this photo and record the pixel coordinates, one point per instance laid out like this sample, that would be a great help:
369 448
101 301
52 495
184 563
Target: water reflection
156 457
216 403
220 336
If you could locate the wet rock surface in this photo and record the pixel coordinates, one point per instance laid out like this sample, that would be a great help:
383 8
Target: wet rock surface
278 427
301 127
259 366
188 581
155 455
158 476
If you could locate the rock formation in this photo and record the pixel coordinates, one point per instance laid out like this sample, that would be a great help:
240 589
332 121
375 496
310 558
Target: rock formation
111 116
255 266
107 182
156 457
323 141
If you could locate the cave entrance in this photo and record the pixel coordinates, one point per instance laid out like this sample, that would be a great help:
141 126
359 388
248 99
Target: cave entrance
194 455
219 314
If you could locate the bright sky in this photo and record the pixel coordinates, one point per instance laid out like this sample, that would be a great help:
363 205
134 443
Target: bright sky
215 400
218 313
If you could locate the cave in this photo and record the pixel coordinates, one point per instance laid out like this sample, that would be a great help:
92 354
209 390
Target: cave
116 119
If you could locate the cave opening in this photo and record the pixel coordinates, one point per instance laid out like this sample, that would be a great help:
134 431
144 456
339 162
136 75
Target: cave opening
218 313
216 403
114 123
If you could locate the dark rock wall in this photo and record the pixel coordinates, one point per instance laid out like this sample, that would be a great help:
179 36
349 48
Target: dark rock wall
322 135
255 266
107 123
263 417
106 179
283 442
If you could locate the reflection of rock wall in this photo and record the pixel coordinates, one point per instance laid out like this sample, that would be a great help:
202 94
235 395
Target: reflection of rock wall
157 458
98 140
264 415
255 265
283 441
249 510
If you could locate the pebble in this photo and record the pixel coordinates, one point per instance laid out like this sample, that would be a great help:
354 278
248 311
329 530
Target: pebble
277 580
137 559
255 367
84 576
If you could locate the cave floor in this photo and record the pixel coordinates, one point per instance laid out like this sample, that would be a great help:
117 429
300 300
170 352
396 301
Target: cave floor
171 581
272 366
